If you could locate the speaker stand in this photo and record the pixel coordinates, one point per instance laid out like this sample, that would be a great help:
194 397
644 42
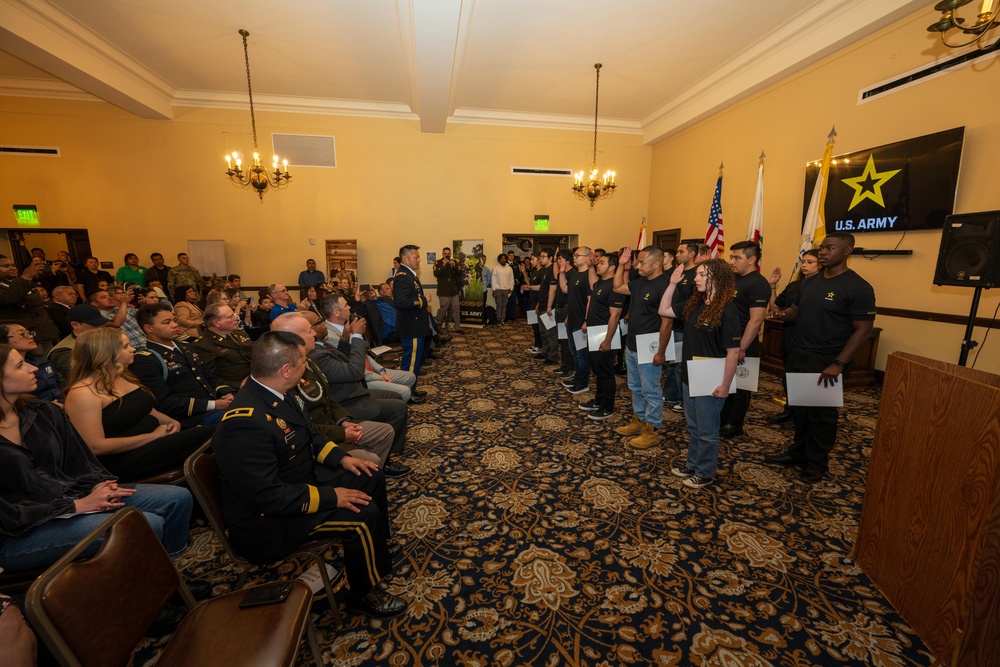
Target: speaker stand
967 342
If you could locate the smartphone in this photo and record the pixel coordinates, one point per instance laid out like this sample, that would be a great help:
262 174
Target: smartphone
262 595
366 288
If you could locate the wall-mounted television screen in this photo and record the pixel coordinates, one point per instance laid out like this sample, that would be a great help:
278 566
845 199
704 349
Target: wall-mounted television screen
905 185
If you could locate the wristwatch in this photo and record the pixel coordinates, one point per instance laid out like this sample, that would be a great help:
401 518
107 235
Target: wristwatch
840 362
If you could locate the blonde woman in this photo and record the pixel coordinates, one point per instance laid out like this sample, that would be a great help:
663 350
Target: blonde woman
116 415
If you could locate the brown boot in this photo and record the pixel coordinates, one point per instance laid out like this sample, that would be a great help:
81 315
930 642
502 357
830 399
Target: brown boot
632 428
648 438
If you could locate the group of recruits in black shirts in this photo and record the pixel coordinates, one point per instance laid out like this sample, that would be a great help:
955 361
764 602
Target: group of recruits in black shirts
714 309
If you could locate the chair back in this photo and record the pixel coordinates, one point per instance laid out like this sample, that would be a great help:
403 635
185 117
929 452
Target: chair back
202 474
94 612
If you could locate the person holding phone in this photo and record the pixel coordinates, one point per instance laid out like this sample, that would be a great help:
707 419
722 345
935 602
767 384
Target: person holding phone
53 491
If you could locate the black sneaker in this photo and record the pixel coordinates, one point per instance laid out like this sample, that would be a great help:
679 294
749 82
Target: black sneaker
568 383
683 473
600 414
590 405
696 482
581 390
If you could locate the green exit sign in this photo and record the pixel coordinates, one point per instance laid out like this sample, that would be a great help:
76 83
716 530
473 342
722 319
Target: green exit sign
26 214
541 223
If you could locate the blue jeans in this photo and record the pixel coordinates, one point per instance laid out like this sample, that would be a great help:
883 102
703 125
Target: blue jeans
647 394
167 508
704 417
581 376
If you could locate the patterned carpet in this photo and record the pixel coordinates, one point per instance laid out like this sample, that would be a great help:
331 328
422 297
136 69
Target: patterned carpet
535 537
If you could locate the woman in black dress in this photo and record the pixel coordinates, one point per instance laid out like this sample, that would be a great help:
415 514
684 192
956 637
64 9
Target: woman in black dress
116 416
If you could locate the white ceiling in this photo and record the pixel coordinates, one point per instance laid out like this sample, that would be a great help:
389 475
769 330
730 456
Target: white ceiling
666 64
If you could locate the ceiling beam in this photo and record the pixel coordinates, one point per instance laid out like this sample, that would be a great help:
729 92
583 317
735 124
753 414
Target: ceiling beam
802 41
44 36
430 33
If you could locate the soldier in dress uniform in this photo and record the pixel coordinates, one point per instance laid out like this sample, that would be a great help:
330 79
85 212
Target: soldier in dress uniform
224 349
173 371
412 323
283 483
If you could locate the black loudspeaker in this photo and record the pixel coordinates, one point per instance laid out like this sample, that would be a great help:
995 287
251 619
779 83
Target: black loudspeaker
970 251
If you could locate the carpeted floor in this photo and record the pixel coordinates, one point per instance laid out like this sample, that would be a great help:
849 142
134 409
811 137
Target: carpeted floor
535 537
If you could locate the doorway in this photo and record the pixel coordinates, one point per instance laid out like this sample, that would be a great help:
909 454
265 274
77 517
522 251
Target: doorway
667 239
74 241
524 245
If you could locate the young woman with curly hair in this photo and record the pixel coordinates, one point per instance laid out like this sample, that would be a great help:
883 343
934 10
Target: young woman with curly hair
711 329
116 415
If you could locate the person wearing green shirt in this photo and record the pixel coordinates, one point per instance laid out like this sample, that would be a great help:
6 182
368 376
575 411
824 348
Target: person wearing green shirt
131 273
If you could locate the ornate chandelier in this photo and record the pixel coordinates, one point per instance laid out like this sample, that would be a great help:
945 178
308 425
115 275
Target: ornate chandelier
989 12
594 187
256 176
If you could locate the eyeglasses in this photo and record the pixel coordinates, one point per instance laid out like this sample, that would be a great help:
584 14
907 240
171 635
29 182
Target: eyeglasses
26 334
579 255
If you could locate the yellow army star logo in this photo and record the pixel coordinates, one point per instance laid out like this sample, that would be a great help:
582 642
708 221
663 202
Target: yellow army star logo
280 422
829 295
869 184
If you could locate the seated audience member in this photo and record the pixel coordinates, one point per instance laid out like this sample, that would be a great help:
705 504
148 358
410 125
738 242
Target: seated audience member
261 317
367 439
43 293
116 416
224 348
89 278
189 316
387 308
172 370
22 340
236 282
314 297
149 297
131 273
130 327
64 297
283 301
60 478
346 372
83 317
18 644
337 314
282 482
19 302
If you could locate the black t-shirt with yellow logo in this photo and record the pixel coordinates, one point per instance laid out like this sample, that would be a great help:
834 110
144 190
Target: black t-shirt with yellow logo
602 299
644 306
827 309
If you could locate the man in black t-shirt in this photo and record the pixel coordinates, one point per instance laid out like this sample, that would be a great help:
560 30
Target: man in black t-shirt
686 255
644 380
834 313
563 263
603 309
546 287
532 277
753 293
576 285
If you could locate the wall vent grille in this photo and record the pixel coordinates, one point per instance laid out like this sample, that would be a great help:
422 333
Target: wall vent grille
304 150
540 171
44 151
921 74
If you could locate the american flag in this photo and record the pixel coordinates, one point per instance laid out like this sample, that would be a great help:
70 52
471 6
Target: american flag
713 235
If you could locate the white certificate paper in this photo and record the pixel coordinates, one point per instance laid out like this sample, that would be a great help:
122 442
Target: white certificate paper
704 375
747 374
596 336
548 320
532 317
646 345
579 340
623 325
561 331
804 391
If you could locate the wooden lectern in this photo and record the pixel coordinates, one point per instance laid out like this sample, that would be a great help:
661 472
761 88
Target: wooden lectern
929 536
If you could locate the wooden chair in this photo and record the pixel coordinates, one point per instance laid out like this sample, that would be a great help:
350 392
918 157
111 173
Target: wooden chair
94 612
202 474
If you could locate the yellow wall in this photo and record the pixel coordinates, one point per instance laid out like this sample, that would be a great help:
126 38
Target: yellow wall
141 185
790 121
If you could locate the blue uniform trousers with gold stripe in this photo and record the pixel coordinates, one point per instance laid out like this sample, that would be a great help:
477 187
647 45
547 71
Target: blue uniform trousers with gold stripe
413 355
